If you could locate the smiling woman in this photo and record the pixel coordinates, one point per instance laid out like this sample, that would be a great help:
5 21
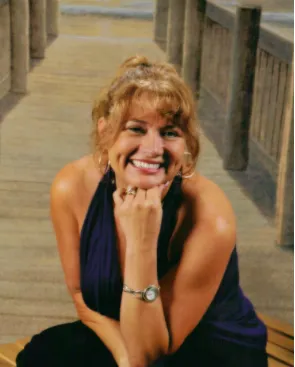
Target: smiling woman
141 97
147 244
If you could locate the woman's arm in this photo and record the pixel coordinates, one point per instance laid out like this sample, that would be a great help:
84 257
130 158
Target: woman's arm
188 288
107 329
143 324
65 188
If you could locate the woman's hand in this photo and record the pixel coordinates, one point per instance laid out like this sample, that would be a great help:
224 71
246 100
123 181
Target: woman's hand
140 216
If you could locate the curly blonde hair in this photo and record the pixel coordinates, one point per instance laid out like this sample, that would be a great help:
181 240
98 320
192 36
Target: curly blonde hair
166 92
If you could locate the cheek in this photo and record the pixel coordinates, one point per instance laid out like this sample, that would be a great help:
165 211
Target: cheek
176 150
123 146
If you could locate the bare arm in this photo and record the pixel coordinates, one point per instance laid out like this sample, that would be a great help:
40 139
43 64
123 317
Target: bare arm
63 193
143 324
187 289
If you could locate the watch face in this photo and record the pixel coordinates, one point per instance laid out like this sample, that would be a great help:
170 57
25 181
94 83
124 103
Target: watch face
151 294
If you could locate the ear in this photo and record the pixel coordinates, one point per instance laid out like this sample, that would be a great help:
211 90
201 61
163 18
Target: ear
101 125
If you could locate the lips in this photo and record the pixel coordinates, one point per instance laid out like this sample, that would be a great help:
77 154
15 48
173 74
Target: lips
147 165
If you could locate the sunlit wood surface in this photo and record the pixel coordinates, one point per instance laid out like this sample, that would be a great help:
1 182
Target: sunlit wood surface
49 127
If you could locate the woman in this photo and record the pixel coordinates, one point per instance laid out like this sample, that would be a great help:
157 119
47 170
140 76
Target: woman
146 243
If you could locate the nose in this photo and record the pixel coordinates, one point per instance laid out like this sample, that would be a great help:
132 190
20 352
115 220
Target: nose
153 144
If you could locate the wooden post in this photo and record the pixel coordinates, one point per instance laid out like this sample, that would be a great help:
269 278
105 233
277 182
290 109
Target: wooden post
243 63
19 15
160 23
175 32
38 31
285 183
194 21
52 18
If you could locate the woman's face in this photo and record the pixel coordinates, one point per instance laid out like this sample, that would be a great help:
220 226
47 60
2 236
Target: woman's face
149 150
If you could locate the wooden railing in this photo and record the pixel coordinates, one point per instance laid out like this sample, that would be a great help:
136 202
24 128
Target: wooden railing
256 105
272 77
25 27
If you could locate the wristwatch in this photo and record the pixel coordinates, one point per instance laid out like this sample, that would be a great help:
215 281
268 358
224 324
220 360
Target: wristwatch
149 294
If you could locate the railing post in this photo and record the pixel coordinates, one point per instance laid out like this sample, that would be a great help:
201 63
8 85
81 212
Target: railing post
19 15
243 61
192 46
285 182
175 32
52 18
5 54
160 23
38 31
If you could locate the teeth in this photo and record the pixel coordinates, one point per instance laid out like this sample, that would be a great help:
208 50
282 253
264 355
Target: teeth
140 164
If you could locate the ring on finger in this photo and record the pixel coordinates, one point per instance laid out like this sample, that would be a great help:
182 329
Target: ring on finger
130 191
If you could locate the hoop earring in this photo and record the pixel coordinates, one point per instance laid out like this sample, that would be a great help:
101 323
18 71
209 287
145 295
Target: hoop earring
179 174
108 166
189 176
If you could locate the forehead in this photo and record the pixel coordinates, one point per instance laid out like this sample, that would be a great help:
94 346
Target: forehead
150 110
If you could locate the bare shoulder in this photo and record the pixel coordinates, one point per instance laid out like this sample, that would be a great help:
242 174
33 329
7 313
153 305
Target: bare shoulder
210 205
76 177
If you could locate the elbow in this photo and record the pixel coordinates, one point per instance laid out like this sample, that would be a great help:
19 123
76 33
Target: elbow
146 359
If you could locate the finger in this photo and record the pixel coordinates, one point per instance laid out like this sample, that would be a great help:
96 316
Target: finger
140 196
154 194
118 196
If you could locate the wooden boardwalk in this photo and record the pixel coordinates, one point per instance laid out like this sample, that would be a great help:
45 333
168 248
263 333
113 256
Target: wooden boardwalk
50 127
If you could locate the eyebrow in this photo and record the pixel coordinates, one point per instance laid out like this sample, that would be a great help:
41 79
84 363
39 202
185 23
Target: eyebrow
169 126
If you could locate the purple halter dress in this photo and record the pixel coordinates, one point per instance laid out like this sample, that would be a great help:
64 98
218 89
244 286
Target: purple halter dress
229 334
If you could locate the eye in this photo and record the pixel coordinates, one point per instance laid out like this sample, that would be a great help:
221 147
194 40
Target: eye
136 129
170 134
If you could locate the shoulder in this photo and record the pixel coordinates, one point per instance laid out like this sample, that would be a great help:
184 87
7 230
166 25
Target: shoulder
211 209
75 177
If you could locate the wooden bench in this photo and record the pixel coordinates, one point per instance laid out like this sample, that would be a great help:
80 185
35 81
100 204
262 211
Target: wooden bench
280 343
280 346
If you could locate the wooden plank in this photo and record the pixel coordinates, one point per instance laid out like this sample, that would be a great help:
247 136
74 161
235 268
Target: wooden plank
280 340
210 58
193 43
264 127
282 86
229 45
205 55
272 106
160 23
257 95
236 132
218 64
285 185
175 33
19 15
263 76
52 17
4 363
38 32
23 342
277 325
280 353
283 111
222 69
8 352
274 363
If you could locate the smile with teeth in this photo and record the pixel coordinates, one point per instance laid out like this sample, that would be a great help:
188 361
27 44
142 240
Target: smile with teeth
146 165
